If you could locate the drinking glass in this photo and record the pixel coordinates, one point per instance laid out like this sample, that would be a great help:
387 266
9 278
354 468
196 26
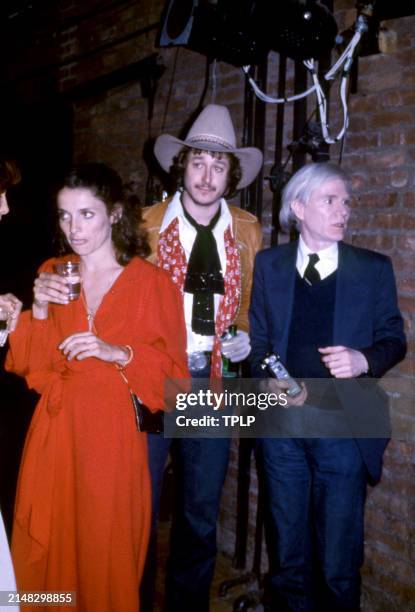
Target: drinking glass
71 272
5 315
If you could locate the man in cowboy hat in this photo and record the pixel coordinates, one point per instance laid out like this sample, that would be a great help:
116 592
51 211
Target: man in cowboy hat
208 248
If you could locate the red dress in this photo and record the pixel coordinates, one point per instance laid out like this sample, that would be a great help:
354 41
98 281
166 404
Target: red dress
83 505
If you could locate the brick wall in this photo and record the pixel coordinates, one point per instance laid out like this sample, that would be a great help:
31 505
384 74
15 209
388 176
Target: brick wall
380 151
92 39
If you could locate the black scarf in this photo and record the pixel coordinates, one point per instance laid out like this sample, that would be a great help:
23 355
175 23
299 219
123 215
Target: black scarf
204 276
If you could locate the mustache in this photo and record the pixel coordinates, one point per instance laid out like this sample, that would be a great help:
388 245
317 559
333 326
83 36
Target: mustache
206 186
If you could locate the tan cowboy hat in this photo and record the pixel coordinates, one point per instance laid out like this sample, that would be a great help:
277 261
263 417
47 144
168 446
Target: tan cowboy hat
212 131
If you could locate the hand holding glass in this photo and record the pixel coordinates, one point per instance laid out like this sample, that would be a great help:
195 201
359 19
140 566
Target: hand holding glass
70 271
5 317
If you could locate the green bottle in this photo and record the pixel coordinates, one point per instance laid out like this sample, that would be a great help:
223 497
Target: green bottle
229 369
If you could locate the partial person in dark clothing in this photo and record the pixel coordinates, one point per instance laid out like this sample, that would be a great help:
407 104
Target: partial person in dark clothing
10 304
9 176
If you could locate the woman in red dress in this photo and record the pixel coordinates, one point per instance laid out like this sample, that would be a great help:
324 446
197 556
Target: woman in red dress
83 502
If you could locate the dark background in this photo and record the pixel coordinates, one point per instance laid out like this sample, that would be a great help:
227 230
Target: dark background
38 137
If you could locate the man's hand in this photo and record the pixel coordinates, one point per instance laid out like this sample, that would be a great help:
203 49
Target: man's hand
237 348
344 362
278 386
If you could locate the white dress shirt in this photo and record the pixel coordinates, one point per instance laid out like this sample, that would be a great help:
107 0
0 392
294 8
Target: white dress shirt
327 263
187 235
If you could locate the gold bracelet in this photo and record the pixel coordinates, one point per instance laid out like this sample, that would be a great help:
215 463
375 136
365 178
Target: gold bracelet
129 359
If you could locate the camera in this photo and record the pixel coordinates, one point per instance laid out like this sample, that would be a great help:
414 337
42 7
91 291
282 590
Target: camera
274 366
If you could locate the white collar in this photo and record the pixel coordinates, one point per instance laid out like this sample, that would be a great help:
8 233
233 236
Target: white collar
328 258
175 210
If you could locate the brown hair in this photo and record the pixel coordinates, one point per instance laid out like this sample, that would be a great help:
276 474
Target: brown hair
128 237
178 167
9 174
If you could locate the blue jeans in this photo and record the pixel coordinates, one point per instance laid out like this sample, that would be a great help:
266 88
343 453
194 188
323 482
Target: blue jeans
199 467
314 507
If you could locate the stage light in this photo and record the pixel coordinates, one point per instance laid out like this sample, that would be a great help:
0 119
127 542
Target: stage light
301 29
242 32
177 22
227 30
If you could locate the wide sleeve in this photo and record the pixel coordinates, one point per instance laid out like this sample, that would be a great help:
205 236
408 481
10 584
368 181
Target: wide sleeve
252 246
33 352
158 339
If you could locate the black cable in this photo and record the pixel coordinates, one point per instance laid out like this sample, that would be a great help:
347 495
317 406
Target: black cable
168 97
150 194
209 61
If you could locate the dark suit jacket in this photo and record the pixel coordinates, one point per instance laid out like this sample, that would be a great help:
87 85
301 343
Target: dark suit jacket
366 316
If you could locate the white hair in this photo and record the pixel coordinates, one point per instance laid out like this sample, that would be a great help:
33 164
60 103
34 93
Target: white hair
302 184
